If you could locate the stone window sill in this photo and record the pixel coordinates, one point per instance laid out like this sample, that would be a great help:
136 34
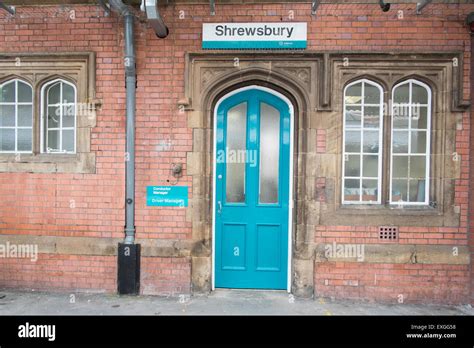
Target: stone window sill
394 210
48 163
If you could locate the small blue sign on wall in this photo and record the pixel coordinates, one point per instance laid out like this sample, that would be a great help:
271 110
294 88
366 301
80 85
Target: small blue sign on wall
167 196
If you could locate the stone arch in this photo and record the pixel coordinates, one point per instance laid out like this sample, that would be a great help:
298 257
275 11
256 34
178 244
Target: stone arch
218 86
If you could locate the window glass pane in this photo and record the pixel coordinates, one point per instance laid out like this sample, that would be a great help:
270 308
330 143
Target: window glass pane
418 142
401 94
370 164
417 190
269 153
400 142
54 93
53 140
371 117
353 141
371 141
7 139
419 117
7 115
68 94
69 114
400 167
366 117
352 190
354 94
353 116
25 115
68 140
7 93
54 114
417 167
369 190
24 93
236 145
413 142
400 115
24 139
372 94
352 165
419 94
399 190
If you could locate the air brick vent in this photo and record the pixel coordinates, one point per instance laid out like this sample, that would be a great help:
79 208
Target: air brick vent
388 233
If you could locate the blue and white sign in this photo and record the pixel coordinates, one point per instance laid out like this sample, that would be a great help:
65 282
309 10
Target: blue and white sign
281 35
167 196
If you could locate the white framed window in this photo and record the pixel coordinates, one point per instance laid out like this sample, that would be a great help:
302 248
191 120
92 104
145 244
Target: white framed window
410 145
16 117
58 117
362 143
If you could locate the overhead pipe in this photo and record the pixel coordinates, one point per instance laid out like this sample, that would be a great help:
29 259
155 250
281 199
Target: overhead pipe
314 6
105 7
421 5
130 82
10 9
154 18
384 6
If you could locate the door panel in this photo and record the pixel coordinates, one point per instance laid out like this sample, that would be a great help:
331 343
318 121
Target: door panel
252 191
233 246
268 248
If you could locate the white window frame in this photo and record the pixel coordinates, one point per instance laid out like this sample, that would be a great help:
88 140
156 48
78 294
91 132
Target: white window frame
428 140
44 125
362 129
16 104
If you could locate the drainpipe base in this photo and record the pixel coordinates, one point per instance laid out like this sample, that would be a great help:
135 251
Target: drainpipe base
128 260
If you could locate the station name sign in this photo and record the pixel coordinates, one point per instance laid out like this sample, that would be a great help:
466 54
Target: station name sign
254 35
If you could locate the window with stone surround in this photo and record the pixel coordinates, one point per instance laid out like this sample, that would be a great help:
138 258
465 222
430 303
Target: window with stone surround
47 112
409 149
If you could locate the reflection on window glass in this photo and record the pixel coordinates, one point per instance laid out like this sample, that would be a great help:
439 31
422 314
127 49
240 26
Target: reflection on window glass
362 143
236 136
410 143
269 154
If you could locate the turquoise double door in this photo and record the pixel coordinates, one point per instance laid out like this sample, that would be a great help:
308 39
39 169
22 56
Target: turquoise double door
253 137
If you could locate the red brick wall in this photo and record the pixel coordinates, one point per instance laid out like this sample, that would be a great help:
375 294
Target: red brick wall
395 283
39 204
60 272
471 212
164 275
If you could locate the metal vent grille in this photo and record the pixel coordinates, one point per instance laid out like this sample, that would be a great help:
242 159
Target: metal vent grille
388 233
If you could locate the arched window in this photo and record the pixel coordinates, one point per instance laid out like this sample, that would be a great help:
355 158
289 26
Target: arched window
410 146
362 143
59 117
16 117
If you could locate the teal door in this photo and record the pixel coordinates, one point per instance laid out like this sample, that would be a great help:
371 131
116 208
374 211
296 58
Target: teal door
252 191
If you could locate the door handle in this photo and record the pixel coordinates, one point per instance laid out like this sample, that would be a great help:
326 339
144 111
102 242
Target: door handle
219 207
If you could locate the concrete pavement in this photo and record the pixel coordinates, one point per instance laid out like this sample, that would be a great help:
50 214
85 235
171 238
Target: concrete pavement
220 302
